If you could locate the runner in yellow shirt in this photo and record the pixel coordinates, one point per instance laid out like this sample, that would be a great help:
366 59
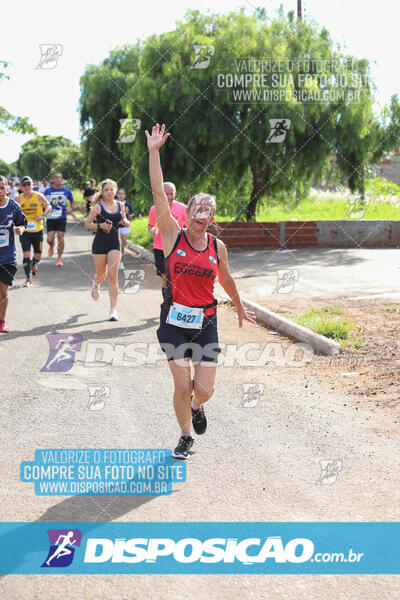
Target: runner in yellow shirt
34 207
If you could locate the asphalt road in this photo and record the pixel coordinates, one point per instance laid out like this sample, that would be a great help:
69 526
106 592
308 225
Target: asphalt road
324 273
255 463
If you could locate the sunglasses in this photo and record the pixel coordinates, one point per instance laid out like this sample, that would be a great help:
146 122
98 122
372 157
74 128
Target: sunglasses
27 183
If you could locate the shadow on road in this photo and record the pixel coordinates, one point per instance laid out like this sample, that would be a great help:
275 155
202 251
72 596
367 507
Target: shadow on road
73 322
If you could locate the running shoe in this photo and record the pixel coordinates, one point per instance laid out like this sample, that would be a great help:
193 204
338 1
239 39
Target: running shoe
121 266
59 262
95 291
34 271
183 447
199 420
28 282
51 250
113 315
3 327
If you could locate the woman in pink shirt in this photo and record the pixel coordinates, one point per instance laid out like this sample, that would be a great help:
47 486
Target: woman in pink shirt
178 211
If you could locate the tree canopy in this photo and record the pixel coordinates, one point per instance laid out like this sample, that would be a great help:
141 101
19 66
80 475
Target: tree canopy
38 155
103 88
9 121
217 144
222 141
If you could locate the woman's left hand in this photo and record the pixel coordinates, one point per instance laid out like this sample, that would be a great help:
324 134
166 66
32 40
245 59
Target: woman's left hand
157 137
245 315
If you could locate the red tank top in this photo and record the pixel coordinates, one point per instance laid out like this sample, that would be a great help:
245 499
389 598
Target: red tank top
191 274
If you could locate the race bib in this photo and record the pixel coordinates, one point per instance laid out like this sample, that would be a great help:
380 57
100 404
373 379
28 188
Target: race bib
185 316
56 213
31 225
4 238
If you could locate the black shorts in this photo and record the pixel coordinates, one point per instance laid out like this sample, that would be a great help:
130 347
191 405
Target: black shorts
7 273
159 260
201 345
103 243
34 239
56 225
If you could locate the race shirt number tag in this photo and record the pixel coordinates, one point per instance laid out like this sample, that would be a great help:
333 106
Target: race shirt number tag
31 225
185 316
56 212
4 238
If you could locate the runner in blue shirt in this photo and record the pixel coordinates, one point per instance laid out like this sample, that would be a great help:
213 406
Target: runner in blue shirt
11 219
57 196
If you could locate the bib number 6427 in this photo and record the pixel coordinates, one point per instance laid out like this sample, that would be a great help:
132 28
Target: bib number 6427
185 316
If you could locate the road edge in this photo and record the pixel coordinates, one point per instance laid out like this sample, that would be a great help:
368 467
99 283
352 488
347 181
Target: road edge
293 330
146 254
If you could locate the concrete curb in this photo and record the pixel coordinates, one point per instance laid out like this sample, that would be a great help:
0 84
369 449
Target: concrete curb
288 328
293 330
146 254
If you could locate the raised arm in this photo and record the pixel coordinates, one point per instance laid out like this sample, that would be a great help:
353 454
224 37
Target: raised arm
167 225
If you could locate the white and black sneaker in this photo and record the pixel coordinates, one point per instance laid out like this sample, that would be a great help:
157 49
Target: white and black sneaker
183 447
113 315
199 420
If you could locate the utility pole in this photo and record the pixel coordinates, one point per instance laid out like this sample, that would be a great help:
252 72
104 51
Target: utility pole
299 11
299 18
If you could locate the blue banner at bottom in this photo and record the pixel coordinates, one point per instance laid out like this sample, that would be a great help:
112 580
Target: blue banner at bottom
225 548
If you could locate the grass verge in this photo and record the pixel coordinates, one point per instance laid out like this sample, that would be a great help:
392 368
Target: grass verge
139 234
328 321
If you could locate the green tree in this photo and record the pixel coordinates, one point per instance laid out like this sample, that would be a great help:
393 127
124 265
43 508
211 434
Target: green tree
217 144
103 88
37 155
5 169
70 161
10 122
222 144
376 135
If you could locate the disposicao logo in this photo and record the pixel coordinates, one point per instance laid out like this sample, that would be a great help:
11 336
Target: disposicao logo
190 550
63 347
181 252
62 542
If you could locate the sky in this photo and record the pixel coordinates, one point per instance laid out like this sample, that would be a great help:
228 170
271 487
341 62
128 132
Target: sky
88 30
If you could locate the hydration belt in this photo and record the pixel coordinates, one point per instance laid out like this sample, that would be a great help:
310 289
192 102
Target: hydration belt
205 306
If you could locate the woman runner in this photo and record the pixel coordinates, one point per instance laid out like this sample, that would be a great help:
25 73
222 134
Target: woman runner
105 217
188 319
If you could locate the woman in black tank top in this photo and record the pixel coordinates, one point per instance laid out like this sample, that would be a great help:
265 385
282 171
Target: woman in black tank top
106 214
104 241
